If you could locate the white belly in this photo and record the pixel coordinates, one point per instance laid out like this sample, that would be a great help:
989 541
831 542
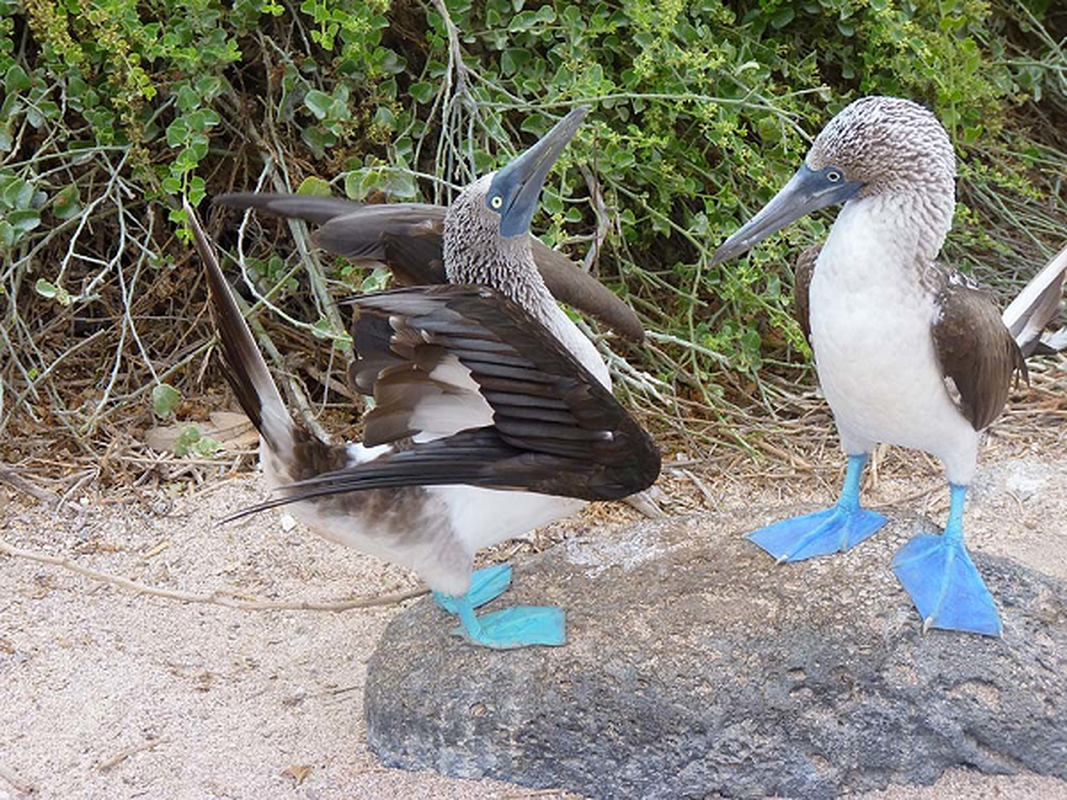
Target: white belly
871 328
434 530
484 517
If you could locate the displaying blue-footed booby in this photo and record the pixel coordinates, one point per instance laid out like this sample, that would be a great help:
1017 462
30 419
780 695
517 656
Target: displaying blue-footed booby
493 414
907 351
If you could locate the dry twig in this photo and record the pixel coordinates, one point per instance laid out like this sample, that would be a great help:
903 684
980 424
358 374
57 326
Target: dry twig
224 598
13 779
122 755
9 476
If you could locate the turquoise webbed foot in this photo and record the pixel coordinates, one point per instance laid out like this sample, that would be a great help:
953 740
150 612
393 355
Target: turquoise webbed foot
518 626
509 628
829 531
486 584
938 574
832 530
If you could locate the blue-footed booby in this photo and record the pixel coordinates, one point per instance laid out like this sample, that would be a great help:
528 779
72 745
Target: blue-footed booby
908 351
493 414
409 239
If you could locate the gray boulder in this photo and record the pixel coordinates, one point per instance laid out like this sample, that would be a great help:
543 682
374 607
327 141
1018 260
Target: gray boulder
695 666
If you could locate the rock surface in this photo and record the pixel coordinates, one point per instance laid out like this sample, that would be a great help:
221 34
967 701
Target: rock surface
695 666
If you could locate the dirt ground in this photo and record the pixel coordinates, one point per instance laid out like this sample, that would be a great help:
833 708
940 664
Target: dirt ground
106 692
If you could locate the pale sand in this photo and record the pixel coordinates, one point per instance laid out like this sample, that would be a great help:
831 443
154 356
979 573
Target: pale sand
105 693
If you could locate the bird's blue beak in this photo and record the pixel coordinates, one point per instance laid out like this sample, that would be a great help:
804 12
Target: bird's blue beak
807 191
518 185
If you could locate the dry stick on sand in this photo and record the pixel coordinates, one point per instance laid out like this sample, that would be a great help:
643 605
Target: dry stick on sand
9 476
122 755
13 779
218 598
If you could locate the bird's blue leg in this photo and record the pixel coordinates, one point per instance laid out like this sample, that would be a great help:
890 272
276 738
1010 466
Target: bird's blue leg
518 626
836 529
941 578
486 584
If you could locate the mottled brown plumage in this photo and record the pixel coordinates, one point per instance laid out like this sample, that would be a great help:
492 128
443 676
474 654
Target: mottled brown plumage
803 271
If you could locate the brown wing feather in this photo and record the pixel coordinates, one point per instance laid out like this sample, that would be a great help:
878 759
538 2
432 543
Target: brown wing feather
803 271
555 429
975 349
407 237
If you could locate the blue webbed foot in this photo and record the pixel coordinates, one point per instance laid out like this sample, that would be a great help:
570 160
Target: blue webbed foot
486 584
943 583
830 531
518 626
941 578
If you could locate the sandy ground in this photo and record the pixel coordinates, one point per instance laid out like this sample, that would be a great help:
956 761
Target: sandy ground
108 693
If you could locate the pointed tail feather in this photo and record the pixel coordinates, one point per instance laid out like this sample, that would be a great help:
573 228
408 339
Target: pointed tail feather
1036 306
246 371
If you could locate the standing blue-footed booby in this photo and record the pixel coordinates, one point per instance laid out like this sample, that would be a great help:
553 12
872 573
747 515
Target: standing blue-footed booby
908 351
493 413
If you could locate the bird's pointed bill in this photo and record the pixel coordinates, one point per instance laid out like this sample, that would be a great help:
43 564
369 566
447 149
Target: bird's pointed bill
807 191
521 180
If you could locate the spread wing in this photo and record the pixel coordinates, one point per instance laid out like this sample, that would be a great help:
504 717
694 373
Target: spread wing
802 273
975 349
407 237
549 427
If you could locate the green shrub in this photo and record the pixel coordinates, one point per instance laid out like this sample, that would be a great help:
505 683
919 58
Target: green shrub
702 109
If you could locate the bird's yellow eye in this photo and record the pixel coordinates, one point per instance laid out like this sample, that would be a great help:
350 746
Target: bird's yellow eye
496 202
833 176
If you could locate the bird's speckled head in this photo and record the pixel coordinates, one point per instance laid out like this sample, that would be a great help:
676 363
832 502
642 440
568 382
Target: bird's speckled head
474 250
487 228
887 144
885 151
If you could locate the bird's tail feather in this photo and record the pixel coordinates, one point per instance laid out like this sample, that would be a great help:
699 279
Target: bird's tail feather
246 371
1036 306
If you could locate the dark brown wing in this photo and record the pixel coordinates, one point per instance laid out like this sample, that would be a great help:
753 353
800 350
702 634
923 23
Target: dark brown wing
407 237
975 349
554 428
803 271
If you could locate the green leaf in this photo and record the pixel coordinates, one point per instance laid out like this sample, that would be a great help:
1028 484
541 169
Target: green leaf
322 329
45 289
67 202
782 17
186 440
377 280
16 79
318 103
165 398
315 187
206 447
422 92
24 219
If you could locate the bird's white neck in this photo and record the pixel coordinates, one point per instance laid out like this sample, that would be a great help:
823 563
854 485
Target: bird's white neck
890 232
